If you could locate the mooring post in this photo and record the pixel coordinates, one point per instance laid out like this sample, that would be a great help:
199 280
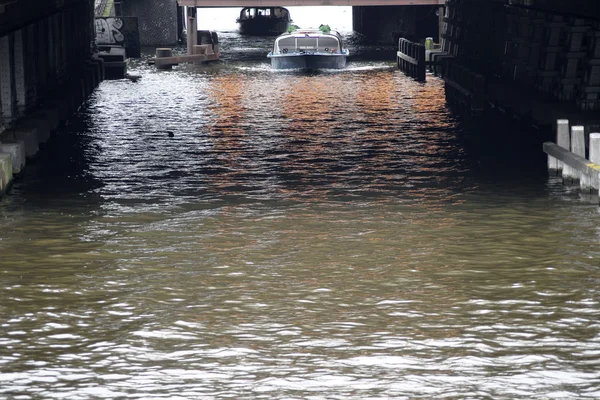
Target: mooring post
421 73
192 30
595 149
429 43
562 139
569 174
164 52
6 172
578 147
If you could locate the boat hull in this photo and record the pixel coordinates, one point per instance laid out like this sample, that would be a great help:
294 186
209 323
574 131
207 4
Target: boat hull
308 61
263 26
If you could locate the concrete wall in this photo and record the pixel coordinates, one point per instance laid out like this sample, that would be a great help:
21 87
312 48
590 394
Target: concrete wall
578 8
5 172
157 20
46 73
40 55
386 24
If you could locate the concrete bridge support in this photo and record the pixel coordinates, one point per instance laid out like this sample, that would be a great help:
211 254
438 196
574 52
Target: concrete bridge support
539 60
159 20
386 24
46 72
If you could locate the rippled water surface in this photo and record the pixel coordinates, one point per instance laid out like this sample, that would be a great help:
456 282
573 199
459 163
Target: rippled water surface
334 235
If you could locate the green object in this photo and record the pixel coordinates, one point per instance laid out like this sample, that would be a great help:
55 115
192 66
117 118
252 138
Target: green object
293 28
325 28
429 43
108 8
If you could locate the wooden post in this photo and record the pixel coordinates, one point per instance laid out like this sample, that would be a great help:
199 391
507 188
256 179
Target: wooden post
8 99
442 25
595 148
578 147
429 43
420 62
192 30
562 139
164 52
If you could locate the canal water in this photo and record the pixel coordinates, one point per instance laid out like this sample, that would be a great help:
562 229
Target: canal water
226 231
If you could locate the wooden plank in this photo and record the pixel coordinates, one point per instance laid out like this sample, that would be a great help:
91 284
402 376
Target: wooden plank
458 87
408 58
574 161
183 59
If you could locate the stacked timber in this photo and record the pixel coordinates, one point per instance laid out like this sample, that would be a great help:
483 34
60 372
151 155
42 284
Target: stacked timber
588 98
521 56
550 51
490 36
472 36
570 61
465 88
411 58
524 31
472 32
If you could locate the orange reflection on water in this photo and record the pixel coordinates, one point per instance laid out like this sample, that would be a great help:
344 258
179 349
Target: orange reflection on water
227 91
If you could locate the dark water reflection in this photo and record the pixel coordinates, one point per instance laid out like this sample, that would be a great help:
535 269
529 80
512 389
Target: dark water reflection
303 236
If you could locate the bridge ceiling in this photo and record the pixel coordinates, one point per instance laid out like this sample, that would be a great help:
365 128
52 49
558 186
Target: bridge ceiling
14 14
290 3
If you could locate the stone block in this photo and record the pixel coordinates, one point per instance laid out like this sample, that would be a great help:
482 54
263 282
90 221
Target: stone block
64 107
51 116
29 137
6 175
17 152
45 121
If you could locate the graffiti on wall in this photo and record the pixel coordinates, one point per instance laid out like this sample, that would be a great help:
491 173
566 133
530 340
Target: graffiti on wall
108 31
119 31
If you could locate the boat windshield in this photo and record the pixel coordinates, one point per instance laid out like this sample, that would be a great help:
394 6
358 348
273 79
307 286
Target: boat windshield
287 43
308 43
281 12
249 13
328 43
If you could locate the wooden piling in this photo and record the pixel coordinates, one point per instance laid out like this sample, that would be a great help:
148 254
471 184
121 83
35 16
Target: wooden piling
595 148
192 30
594 158
562 139
411 58
577 147
161 53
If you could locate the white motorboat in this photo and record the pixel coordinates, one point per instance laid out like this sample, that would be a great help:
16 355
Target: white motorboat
309 49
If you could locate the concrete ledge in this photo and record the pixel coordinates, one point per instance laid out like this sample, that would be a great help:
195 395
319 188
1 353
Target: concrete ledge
64 107
29 138
21 141
6 175
17 152
100 63
574 161
44 122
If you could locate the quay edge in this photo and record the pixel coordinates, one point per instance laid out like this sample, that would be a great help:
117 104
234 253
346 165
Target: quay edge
22 140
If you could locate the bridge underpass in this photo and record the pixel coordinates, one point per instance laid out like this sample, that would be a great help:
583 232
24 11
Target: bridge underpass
281 247
547 48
